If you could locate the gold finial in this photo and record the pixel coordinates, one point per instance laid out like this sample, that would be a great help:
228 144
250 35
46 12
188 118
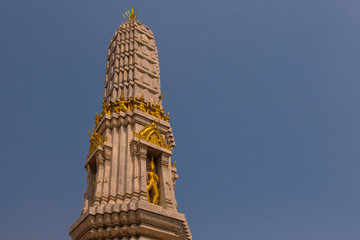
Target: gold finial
130 16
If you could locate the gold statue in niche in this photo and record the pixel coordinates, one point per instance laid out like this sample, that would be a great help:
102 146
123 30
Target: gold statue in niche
152 183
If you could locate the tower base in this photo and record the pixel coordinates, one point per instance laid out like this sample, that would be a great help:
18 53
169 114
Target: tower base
130 221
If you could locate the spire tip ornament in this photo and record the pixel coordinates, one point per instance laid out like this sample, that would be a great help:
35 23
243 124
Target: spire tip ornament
131 16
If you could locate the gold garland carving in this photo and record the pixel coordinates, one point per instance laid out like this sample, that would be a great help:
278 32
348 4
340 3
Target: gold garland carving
130 104
151 134
95 140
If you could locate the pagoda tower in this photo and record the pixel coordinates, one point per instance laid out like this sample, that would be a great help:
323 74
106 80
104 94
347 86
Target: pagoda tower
130 192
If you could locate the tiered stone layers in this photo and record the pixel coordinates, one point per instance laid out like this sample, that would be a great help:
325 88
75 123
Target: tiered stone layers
132 64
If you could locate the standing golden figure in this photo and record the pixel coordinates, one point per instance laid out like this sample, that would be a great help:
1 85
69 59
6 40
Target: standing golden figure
152 183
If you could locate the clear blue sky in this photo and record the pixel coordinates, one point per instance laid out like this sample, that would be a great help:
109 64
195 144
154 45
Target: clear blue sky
264 103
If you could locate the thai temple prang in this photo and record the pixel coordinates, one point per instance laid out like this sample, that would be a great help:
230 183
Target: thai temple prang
130 192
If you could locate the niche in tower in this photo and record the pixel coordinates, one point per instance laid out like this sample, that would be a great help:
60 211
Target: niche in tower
155 155
92 181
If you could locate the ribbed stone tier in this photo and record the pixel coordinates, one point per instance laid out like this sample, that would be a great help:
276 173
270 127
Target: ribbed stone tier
132 64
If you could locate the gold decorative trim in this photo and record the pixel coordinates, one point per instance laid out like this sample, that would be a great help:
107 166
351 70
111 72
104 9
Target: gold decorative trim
95 140
130 104
151 134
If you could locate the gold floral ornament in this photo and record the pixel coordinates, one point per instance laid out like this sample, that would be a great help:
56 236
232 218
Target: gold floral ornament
152 134
130 104
152 183
95 140
131 16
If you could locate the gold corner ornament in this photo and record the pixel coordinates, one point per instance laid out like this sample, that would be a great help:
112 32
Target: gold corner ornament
162 96
131 104
151 134
131 16
95 140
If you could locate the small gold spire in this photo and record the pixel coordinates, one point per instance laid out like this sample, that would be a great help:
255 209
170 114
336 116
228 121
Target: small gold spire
130 16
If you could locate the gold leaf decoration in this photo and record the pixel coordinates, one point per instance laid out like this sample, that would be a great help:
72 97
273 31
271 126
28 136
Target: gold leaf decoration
95 140
130 104
152 134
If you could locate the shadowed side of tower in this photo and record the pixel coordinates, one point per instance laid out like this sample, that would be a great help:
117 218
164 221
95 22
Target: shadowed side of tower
130 191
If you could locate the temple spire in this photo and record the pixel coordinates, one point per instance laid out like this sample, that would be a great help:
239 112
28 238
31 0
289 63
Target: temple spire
130 192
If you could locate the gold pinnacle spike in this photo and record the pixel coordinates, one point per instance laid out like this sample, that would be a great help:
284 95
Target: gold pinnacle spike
131 16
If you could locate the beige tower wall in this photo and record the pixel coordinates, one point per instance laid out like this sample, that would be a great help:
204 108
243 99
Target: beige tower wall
121 166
